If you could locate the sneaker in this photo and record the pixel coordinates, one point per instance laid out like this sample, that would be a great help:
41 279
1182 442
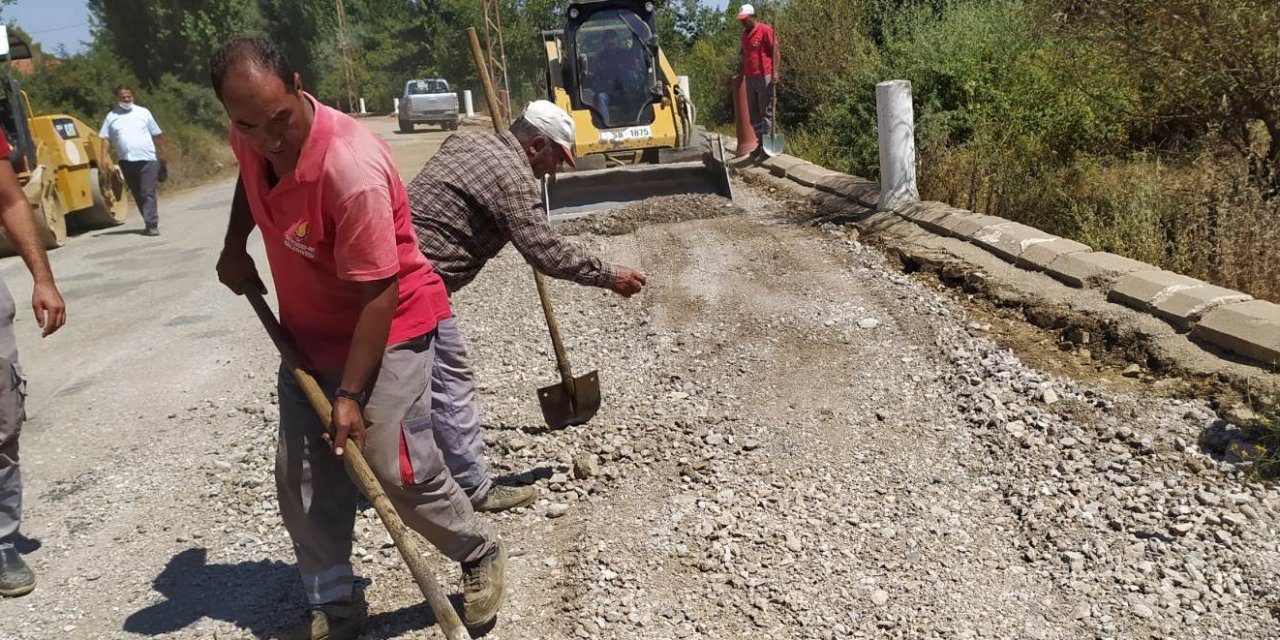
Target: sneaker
503 498
484 587
329 622
151 231
16 578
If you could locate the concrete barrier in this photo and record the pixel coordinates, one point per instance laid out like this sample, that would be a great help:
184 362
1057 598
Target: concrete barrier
1213 315
1249 329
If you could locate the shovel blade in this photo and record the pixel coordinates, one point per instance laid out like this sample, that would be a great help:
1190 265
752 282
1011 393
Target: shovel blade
561 409
773 144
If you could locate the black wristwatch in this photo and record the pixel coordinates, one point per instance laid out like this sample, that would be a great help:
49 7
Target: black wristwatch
360 397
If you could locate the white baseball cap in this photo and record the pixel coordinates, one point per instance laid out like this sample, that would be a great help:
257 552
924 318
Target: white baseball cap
553 122
746 11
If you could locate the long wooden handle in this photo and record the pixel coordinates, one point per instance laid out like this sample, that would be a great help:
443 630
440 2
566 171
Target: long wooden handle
544 295
360 471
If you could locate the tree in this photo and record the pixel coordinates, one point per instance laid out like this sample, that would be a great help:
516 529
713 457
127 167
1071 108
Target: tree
1207 64
158 37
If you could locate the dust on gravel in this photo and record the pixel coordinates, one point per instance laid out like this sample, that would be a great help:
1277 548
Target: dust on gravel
624 220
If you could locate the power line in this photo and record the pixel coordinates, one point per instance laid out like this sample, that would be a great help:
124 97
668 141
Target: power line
70 26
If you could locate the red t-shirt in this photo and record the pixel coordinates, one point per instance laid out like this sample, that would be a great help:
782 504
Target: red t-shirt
757 51
340 219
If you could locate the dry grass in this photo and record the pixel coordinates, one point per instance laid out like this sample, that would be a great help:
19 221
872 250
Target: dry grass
1200 217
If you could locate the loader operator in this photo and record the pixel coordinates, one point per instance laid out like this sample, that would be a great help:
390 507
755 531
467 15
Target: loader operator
361 304
616 74
16 578
472 198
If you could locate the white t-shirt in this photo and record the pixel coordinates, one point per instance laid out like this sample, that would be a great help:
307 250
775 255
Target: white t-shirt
130 133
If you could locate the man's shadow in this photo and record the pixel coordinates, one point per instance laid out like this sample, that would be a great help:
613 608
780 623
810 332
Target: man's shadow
260 597
251 595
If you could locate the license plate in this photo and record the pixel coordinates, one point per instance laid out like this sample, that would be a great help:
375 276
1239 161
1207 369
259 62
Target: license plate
622 135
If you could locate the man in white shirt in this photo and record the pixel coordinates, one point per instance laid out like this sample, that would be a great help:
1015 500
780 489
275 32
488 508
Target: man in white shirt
133 131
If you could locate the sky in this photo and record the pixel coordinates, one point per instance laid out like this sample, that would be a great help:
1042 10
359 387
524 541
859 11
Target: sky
52 23
55 23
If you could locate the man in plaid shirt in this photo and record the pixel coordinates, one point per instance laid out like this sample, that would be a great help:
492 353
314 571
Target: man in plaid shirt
473 197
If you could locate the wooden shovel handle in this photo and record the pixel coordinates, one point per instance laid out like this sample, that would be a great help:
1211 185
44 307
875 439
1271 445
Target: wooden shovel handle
360 471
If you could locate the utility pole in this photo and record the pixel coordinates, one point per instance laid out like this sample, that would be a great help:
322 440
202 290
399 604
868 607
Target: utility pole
498 62
344 47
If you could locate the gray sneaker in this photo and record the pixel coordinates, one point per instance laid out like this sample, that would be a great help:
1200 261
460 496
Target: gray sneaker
503 498
329 622
484 587
16 578
151 231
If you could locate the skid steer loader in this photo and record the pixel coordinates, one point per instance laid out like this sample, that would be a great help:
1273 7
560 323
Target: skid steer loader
56 158
637 135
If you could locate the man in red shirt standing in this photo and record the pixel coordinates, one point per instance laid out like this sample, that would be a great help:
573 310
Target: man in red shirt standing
761 64
361 304
19 223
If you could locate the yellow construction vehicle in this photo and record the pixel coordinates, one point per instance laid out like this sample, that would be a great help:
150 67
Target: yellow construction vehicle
637 134
56 158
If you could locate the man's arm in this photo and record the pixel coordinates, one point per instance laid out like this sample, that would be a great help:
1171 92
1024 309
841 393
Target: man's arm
158 140
368 344
235 265
105 134
520 214
20 225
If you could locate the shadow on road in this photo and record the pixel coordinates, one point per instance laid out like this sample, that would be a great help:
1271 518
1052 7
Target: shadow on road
255 596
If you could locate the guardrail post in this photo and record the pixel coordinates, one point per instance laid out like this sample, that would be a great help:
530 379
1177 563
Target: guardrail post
897 144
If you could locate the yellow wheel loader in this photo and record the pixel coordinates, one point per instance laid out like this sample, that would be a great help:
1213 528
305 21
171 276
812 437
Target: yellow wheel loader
56 158
637 135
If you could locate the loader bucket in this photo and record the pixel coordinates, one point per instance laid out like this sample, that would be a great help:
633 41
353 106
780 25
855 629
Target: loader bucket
579 193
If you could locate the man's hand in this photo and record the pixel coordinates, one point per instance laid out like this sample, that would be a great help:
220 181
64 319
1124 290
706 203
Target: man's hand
627 283
50 310
235 268
348 422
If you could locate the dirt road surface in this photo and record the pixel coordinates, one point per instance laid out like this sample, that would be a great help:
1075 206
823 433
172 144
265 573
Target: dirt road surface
797 441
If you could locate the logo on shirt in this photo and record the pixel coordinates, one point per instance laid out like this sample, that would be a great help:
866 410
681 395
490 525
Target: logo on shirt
296 238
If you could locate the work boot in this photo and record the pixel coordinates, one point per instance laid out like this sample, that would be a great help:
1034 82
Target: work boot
336 621
16 578
484 587
503 498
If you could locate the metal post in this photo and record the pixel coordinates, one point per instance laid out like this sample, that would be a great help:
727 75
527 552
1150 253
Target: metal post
467 104
897 144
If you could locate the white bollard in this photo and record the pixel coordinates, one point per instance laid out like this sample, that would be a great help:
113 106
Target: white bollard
396 104
362 111
683 81
897 144
467 104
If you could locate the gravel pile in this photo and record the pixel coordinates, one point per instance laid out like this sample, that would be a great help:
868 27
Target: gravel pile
616 222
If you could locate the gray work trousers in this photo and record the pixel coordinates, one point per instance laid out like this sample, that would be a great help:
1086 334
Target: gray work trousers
142 176
760 103
318 499
13 392
455 418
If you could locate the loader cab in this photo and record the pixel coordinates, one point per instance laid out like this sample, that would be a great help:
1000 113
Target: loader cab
611 62
13 104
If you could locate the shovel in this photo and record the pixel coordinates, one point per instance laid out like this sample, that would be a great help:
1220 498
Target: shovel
358 468
575 400
773 143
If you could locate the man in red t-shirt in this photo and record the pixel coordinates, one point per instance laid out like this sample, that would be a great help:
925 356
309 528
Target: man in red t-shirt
760 68
19 223
361 304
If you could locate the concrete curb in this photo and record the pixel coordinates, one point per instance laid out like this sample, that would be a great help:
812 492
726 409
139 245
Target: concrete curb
1221 318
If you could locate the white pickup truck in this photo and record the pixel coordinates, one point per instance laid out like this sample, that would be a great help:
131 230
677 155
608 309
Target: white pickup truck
428 101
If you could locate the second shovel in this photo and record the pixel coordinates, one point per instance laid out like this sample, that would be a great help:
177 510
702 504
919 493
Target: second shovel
575 400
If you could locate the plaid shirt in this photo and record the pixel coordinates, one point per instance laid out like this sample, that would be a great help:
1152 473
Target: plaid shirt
477 193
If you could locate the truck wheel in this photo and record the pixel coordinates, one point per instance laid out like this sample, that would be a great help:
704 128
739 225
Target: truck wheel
109 207
406 126
453 125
